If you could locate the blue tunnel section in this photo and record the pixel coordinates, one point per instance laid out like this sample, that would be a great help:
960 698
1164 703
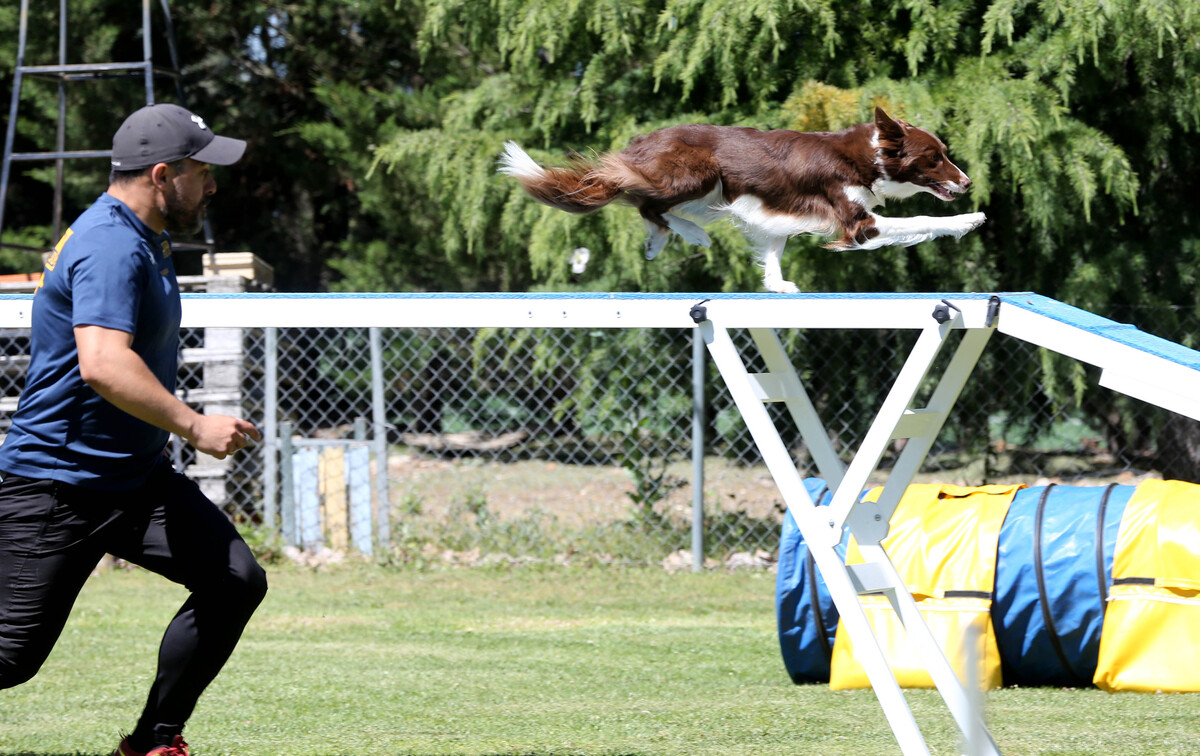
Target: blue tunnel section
1053 570
805 612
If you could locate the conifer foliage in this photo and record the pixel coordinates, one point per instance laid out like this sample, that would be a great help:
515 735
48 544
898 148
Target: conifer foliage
1077 122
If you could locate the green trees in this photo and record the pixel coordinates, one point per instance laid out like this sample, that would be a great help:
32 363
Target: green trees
1077 122
1064 114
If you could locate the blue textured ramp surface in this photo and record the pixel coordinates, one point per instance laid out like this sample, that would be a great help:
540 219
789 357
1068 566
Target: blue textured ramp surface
1121 333
610 296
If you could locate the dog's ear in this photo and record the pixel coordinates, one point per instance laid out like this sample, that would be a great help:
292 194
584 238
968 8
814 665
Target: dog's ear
887 127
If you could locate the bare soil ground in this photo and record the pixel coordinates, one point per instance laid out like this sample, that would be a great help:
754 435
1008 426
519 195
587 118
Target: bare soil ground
583 495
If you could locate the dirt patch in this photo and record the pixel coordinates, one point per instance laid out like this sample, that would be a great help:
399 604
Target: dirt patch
575 495
586 495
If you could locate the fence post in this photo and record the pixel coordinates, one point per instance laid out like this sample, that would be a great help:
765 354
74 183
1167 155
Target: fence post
287 499
379 420
698 364
271 500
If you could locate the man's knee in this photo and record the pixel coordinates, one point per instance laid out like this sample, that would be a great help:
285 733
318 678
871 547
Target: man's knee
249 580
255 579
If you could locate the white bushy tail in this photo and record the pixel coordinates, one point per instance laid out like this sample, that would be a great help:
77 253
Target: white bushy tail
514 162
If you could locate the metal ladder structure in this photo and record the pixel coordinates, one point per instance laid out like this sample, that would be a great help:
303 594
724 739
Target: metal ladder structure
64 72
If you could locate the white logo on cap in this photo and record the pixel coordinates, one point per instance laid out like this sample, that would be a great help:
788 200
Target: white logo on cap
199 121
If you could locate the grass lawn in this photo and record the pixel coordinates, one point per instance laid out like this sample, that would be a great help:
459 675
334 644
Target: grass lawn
494 662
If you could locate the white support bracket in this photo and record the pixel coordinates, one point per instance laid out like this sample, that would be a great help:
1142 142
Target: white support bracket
868 521
821 537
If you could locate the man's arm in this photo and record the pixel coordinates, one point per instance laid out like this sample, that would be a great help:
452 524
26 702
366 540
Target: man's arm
109 365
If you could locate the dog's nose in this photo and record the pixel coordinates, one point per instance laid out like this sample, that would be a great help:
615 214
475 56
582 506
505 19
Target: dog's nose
966 182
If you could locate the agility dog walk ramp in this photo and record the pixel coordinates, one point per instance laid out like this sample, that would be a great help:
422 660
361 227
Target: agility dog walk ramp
1130 361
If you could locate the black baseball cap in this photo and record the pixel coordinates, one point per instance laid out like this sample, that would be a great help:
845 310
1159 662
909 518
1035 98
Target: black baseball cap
164 133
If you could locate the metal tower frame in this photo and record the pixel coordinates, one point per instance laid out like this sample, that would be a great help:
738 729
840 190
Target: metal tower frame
64 72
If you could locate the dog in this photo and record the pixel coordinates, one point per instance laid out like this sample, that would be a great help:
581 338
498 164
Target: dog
774 184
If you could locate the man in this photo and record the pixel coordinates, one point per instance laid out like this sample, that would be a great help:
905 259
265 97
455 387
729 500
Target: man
83 470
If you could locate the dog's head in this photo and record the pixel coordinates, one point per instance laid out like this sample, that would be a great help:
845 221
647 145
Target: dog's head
913 157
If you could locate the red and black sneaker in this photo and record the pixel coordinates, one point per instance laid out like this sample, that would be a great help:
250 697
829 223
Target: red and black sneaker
177 748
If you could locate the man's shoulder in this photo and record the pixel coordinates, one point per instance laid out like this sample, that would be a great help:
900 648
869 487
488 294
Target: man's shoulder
103 228
102 219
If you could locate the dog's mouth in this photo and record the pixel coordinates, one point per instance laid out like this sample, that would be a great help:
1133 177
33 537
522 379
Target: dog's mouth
946 192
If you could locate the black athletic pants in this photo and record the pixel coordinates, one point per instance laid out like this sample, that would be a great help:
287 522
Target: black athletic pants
53 534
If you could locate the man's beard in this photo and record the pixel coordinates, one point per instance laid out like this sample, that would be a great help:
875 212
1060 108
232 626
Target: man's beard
181 219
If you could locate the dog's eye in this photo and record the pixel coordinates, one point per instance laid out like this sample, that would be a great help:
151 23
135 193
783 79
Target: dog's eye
936 158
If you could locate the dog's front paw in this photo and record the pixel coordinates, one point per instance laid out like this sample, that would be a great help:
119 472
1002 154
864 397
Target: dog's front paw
969 222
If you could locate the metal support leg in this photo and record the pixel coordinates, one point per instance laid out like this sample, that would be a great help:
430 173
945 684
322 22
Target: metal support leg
799 405
920 435
943 400
11 131
820 537
892 413
868 521
379 443
952 690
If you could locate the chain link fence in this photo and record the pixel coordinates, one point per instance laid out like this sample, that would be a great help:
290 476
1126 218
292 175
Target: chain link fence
576 444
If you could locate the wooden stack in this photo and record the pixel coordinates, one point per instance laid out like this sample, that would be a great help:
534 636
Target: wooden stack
227 374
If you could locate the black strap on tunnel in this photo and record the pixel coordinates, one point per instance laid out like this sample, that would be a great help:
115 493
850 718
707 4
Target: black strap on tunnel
810 570
1040 572
1101 579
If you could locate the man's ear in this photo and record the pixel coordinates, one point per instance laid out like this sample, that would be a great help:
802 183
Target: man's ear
160 174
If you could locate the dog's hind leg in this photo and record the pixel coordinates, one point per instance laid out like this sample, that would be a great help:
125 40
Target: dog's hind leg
770 255
656 238
691 232
686 218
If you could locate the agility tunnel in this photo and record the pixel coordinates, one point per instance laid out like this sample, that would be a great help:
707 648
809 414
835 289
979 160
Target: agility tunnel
1068 586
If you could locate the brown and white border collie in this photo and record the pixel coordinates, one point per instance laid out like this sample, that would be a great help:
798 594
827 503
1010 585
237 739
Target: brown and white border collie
774 184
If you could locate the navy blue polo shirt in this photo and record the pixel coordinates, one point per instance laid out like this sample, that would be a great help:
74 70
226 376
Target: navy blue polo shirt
110 269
